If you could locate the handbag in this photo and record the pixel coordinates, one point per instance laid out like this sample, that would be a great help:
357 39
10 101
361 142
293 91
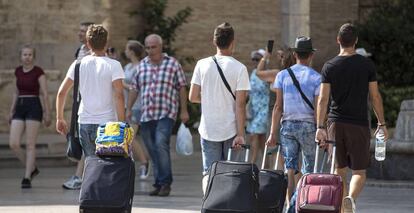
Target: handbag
74 148
297 85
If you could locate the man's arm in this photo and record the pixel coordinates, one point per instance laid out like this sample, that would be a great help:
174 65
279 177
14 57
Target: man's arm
276 117
376 101
321 135
61 125
315 106
119 99
183 105
240 116
195 94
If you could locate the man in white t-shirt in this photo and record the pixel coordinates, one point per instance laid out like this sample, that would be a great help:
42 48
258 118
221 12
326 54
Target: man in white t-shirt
100 86
223 111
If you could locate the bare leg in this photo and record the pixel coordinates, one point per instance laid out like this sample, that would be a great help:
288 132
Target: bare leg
16 132
253 143
79 168
342 172
291 184
32 130
357 183
261 140
137 149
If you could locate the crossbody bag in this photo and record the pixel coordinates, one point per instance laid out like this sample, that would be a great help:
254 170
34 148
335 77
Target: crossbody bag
297 85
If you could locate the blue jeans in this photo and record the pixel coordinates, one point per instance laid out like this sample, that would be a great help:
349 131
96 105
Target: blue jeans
87 137
156 135
297 136
216 151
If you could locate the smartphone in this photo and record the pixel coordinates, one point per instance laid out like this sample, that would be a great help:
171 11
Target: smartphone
270 45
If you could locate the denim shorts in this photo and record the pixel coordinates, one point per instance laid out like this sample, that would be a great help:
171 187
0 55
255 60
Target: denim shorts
28 108
297 137
87 137
136 116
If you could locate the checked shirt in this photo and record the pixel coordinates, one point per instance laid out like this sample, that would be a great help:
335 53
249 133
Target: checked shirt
158 87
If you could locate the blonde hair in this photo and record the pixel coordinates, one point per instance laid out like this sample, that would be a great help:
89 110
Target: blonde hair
27 46
97 36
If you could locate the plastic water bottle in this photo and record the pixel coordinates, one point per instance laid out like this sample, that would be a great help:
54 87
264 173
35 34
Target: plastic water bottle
380 145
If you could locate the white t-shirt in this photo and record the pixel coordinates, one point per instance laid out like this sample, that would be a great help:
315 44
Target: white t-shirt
218 107
96 75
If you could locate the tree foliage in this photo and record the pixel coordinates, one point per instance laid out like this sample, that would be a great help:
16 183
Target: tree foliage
387 34
155 21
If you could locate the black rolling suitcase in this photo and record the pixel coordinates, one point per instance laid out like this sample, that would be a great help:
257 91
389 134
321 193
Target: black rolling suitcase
108 185
232 187
273 186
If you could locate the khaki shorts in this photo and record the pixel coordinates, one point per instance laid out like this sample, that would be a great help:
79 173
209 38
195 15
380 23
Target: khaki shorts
352 145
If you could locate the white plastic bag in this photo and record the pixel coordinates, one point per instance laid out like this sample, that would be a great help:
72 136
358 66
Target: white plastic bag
184 144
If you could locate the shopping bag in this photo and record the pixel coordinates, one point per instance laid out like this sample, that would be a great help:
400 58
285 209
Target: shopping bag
184 144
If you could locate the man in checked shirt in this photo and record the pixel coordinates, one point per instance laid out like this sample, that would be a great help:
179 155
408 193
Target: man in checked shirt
160 83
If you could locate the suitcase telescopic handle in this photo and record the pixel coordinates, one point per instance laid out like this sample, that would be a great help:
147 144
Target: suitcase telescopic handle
244 146
315 168
277 157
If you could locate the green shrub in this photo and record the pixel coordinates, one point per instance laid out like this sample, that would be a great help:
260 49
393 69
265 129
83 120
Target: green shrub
392 98
387 34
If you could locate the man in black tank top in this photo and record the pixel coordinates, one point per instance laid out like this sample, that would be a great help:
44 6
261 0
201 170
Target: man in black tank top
348 79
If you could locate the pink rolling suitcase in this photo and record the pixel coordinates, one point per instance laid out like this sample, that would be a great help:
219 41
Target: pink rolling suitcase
319 192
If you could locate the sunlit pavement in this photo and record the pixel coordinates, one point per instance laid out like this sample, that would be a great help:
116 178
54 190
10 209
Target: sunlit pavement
47 195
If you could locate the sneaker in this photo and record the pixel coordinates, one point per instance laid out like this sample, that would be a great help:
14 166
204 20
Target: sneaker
164 191
34 173
26 183
155 191
73 183
144 170
349 204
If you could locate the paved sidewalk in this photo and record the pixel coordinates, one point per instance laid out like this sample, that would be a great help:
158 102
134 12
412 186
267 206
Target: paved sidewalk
48 196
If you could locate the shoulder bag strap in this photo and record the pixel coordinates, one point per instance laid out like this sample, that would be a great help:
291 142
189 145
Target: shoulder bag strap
76 100
297 85
223 77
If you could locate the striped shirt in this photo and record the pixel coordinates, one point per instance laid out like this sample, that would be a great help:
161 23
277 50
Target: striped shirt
158 87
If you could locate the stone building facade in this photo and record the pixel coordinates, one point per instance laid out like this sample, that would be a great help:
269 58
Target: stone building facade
51 26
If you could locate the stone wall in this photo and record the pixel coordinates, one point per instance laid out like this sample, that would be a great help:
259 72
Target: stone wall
254 22
52 26
326 16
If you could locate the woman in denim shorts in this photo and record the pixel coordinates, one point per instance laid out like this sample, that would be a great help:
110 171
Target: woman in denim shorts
134 51
27 112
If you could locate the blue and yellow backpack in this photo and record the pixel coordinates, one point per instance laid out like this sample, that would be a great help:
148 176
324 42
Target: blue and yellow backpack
114 139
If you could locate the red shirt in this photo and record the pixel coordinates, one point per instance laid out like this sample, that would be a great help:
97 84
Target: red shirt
28 82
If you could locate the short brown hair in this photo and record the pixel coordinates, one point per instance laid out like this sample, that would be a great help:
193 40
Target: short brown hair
97 36
223 35
136 47
347 35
